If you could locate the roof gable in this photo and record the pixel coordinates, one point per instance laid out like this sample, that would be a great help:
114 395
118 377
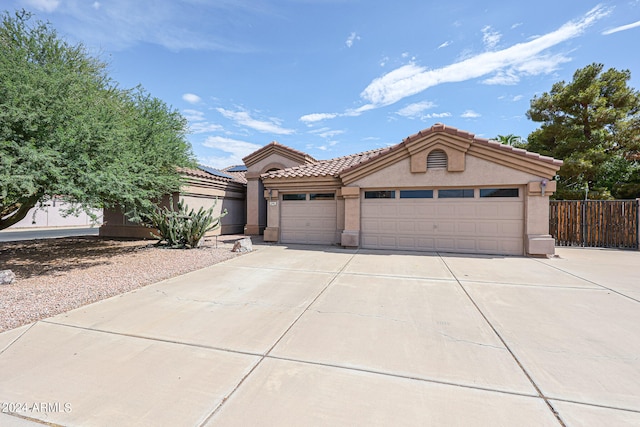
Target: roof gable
438 136
355 166
277 148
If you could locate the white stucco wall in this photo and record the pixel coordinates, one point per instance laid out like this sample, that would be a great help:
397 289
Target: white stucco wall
50 215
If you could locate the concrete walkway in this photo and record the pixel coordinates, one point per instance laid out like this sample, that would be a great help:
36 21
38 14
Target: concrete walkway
324 336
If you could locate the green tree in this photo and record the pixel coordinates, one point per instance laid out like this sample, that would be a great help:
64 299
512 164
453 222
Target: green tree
67 129
593 124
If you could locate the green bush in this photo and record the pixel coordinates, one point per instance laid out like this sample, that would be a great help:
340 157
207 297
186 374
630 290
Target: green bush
181 227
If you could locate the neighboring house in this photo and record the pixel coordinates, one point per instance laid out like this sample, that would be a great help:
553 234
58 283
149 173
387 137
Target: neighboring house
52 214
441 189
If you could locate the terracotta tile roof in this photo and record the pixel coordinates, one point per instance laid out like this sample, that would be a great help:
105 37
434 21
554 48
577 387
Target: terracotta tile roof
239 175
519 151
439 127
337 166
331 167
220 176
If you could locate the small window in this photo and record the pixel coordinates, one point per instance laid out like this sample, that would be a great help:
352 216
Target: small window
416 194
299 196
386 194
321 196
437 159
465 193
499 192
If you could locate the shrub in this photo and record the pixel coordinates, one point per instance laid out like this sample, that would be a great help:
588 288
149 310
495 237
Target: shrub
181 227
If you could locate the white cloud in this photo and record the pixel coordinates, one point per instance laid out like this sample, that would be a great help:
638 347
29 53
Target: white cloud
43 5
415 110
490 38
327 133
503 77
445 44
204 127
470 114
412 79
243 118
191 98
234 148
198 122
193 115
517 98
317 117
351 39
384 61
621 28
96 5
516 25
436 115
542 64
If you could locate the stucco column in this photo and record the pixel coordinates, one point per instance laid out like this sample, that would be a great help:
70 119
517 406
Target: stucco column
272 232
350 237
253 208
538 241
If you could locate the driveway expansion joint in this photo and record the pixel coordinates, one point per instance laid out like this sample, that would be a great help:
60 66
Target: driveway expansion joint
16 339
266 355
405 377
156 339
513 355
589 281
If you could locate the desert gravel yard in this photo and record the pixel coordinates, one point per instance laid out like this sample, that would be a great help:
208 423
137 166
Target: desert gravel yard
58 275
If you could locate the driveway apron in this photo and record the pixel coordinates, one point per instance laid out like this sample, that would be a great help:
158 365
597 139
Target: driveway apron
308 335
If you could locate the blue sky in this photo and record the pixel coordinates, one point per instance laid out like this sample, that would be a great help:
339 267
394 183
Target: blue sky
335 77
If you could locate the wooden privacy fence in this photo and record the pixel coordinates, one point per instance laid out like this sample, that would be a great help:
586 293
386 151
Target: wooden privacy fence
595 223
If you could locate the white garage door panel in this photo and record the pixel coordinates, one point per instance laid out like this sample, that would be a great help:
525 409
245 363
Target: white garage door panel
491 225
308 221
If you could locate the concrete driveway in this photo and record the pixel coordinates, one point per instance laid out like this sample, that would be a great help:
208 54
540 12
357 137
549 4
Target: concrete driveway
324 336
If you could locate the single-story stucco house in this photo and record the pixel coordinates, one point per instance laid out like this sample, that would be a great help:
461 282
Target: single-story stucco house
441 189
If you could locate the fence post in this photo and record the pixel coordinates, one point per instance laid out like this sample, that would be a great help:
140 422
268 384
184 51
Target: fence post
638 223
583 219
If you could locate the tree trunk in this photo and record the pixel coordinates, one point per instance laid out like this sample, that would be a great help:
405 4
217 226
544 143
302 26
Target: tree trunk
19 214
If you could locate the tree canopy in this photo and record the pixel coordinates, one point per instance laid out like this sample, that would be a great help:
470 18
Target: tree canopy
593 124
67 129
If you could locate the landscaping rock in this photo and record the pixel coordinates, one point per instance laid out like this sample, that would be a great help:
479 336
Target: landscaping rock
7 277
243 245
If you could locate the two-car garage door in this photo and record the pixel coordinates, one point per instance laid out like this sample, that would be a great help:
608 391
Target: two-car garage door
489 221
468 220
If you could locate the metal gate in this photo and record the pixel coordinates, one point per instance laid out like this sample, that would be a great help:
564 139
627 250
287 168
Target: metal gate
595 223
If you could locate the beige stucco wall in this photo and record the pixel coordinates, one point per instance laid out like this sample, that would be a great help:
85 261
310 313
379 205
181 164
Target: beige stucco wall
478 172
196 192
256 217
232 223
273 161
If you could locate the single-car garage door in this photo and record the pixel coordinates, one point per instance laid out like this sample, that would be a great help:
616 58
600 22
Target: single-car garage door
308 218
468 220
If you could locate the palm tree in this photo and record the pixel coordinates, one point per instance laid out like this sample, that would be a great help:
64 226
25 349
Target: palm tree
511 139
